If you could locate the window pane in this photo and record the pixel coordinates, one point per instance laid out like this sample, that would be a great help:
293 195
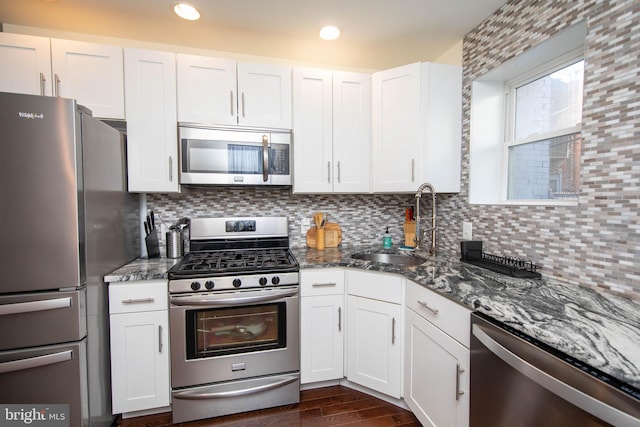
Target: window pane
550 103
547 169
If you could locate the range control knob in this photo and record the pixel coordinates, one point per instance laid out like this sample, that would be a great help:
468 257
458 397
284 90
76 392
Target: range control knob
263 281
237 283
195 285
209 284
275 280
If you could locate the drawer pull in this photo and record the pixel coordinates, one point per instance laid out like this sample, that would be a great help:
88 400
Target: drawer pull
425 305
137 301
339 319
159 338
393 331
324 285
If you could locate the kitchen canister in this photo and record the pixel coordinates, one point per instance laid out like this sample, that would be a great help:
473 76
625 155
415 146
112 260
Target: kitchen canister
175 245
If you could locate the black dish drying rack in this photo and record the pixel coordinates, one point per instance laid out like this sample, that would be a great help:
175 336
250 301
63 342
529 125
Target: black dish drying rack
511 266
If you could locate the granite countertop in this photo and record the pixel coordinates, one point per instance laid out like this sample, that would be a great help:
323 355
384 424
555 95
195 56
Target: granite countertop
599 329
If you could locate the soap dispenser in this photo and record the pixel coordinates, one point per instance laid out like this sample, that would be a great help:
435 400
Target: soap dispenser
386 239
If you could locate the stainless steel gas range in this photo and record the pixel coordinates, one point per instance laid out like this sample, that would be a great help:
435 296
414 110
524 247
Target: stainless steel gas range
234 319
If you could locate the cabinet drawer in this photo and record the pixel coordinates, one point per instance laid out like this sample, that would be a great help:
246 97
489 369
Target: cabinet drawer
129 297
324 281
379 286
451 318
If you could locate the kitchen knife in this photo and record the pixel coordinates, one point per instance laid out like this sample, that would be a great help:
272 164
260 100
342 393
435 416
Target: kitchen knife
149 222
146 228
153 221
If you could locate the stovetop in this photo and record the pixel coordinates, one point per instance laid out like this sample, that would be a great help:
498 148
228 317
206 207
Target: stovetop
234 262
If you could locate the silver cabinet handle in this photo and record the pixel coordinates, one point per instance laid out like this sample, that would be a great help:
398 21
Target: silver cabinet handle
324 285
265 158
56 85
31 306
459 371
573 395
339 319
42 82
338 171
393 330
329 172
159 338
243 112
212 394
413 170
231 96
425 305
137 300
170 168
36 362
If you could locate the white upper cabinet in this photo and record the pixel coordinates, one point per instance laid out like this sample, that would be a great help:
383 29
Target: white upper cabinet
264 95
216 91
417 112
90 73
207 90
26 64
150 95
331 127
396 129
442 126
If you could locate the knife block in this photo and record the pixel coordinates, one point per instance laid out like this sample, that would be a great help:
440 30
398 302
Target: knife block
153 249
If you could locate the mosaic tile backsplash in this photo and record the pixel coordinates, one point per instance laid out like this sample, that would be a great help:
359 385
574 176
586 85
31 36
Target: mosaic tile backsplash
596 243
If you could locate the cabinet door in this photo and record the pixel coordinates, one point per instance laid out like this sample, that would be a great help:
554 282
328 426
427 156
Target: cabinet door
396 129
264 95
436 375
321 338
90 73
152 138
29 71
139 361
351 132
206 90
312 129
442 126
374 343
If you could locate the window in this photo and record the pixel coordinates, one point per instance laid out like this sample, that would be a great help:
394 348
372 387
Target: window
543 136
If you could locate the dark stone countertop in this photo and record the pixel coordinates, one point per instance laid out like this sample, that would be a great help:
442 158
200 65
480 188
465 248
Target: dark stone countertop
596 328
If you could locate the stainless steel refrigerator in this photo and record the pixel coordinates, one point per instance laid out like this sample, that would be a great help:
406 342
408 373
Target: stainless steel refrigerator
67 220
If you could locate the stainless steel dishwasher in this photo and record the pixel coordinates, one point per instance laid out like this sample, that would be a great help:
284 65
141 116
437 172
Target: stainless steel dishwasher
517 382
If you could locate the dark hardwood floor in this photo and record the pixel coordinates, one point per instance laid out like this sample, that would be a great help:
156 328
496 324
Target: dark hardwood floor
328 406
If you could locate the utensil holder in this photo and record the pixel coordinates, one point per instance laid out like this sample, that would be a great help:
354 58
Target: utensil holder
175 245
320 239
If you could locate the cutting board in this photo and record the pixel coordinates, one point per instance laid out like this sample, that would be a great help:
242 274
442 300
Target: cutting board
332 235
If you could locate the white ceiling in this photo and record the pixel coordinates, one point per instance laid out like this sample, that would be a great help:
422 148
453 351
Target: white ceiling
376 33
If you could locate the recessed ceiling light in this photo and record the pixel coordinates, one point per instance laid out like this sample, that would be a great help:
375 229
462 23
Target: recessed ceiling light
329 32
186 11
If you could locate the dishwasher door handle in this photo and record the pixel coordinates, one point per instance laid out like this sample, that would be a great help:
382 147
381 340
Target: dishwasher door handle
489 338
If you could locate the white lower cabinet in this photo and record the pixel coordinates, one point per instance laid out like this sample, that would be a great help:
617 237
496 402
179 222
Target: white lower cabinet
139 321
436 376
374 331
321 325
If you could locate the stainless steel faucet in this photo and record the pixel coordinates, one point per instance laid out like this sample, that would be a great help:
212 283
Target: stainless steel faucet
432 249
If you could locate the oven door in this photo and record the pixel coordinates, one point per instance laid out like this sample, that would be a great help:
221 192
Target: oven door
222 336
220 156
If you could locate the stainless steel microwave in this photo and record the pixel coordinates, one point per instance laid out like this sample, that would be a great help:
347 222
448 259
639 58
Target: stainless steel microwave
234 156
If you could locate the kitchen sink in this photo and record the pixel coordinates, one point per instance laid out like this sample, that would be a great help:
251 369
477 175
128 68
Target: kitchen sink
401 260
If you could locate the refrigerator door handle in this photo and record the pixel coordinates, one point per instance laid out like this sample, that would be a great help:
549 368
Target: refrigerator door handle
31 306
36 362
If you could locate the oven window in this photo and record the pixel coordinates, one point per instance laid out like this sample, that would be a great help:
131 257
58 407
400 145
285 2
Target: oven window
219 331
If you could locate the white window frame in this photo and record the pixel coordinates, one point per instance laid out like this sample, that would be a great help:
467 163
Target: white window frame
511 86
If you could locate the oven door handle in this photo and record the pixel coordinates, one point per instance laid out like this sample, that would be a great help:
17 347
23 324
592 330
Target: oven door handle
233 300
204 395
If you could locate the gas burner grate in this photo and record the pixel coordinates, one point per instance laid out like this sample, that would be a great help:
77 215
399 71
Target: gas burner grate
237 261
